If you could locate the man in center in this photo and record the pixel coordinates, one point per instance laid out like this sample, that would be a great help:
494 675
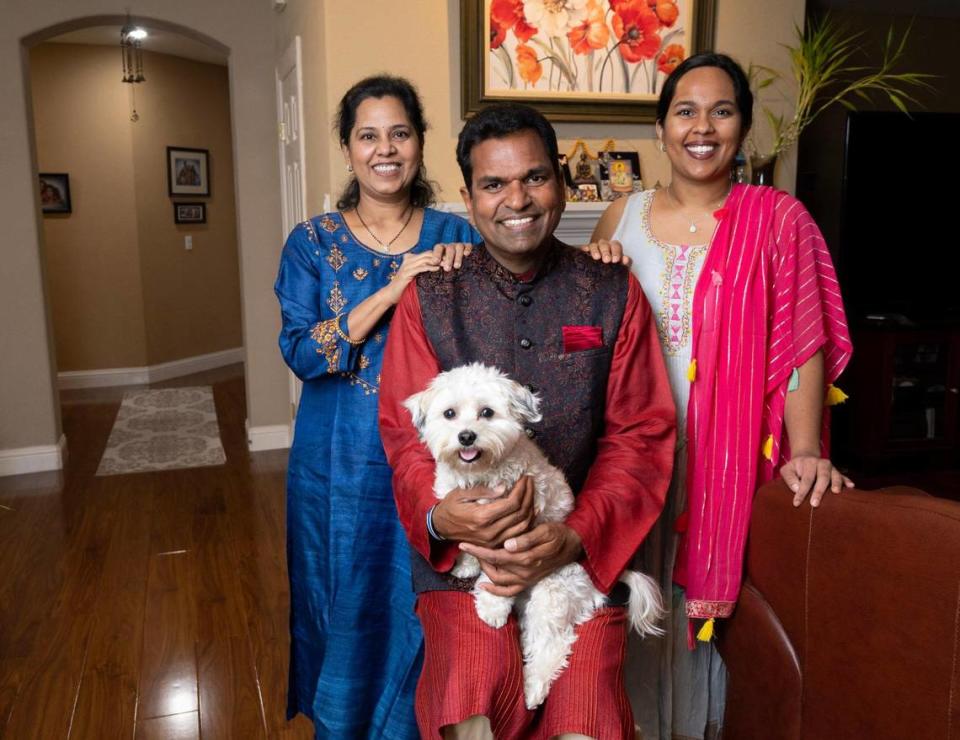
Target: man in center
579 334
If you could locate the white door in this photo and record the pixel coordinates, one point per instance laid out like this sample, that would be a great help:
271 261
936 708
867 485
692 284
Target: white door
292 159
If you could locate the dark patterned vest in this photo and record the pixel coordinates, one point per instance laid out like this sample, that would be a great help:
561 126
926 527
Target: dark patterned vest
483 313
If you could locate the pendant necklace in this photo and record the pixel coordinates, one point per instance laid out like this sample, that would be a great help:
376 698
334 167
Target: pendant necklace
693 224
385 246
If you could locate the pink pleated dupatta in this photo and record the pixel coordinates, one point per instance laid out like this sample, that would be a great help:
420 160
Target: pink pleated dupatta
766 301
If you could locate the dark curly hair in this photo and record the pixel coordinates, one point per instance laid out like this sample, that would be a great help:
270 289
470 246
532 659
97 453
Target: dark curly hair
382 86
741 85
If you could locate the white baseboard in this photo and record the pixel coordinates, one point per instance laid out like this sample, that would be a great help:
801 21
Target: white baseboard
72 379
42 458
275 437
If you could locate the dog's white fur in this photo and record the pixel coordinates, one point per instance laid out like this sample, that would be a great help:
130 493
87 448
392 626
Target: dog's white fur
481 401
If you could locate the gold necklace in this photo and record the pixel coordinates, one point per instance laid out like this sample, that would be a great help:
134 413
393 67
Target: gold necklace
385 246
693 225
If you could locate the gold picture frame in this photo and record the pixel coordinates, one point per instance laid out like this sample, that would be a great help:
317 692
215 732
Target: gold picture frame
562 65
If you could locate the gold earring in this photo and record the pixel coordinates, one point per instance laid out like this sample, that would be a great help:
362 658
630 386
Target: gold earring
661 145
349 167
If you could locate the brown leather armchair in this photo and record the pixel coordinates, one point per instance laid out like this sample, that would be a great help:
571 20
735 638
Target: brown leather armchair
848 624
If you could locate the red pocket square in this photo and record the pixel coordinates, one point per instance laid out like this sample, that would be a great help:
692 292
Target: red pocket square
579 338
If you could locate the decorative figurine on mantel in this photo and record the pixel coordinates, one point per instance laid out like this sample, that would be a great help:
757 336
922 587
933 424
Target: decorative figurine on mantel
604 176
586 184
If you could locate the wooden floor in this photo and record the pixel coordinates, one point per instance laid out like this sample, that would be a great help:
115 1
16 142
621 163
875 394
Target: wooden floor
151 605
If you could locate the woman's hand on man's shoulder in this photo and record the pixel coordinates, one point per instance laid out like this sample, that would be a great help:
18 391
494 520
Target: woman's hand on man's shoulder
607 251
451 255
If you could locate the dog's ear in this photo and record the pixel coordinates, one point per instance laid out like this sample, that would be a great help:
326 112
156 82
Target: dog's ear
417 405
523 404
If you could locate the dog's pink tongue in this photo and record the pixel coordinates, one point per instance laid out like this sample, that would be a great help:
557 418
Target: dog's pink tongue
468 454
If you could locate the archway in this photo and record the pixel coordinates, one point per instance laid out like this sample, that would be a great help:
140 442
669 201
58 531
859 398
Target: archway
30 436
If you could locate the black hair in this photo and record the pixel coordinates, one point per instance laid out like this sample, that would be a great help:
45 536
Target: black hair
501 120
383 86
741 85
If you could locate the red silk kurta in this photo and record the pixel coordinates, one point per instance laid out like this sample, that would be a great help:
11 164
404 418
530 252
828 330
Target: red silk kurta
627 482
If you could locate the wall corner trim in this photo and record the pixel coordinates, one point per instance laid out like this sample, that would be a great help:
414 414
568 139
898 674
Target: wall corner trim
39 459
272 437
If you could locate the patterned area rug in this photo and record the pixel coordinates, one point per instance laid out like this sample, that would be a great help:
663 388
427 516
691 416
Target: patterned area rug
162 430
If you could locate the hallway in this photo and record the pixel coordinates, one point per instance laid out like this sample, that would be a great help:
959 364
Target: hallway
151 605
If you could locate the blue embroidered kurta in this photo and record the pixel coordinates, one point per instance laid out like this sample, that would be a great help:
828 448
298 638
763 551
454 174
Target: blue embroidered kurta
356 645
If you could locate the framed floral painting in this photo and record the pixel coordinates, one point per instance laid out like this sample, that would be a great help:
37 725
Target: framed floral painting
578 60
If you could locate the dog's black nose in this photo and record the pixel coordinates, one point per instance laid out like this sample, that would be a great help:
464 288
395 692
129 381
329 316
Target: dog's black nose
467 437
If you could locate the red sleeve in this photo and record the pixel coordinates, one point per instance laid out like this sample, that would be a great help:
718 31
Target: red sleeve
409 364
627 483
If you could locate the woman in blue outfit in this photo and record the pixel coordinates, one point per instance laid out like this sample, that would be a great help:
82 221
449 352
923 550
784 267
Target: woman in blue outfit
356 646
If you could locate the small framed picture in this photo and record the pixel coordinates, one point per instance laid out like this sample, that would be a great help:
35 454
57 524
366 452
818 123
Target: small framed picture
188 171
189 213
588 192
619 174
55 192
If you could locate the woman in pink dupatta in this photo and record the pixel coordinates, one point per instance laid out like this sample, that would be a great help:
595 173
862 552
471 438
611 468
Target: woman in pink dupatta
753 333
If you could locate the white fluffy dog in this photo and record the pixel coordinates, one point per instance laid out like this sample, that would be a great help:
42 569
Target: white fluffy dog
472 419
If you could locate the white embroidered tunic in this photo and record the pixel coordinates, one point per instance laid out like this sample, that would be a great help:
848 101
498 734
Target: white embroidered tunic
668 274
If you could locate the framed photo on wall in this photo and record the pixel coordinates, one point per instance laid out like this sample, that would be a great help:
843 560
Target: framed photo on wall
189 213
188 171
574 60
55 192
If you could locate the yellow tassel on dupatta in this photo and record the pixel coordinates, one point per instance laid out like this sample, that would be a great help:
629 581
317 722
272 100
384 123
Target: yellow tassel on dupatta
692 370
768 447
834 396
706 631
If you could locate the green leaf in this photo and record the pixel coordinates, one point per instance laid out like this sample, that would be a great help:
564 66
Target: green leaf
899 103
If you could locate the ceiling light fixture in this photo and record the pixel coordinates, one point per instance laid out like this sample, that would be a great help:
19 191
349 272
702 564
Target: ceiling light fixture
132 54
130 38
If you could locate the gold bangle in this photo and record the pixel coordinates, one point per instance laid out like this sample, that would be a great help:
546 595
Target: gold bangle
346 337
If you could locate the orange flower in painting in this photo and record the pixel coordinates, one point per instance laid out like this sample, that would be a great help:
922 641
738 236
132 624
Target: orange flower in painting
636 27
530 68
592 33
671 57
508 14
666 10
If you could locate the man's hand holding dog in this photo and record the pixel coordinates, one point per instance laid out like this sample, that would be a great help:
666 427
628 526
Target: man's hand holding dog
485 517
527 558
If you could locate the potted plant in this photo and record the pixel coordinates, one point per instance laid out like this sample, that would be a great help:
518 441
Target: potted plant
825 72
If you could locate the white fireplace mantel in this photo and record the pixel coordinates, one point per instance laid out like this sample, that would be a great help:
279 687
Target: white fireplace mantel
576 224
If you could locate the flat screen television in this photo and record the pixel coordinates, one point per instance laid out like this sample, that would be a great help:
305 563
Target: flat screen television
899 234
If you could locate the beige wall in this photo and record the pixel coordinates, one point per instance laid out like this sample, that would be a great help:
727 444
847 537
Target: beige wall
423 44
29 413
93 265
123 290
191 298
